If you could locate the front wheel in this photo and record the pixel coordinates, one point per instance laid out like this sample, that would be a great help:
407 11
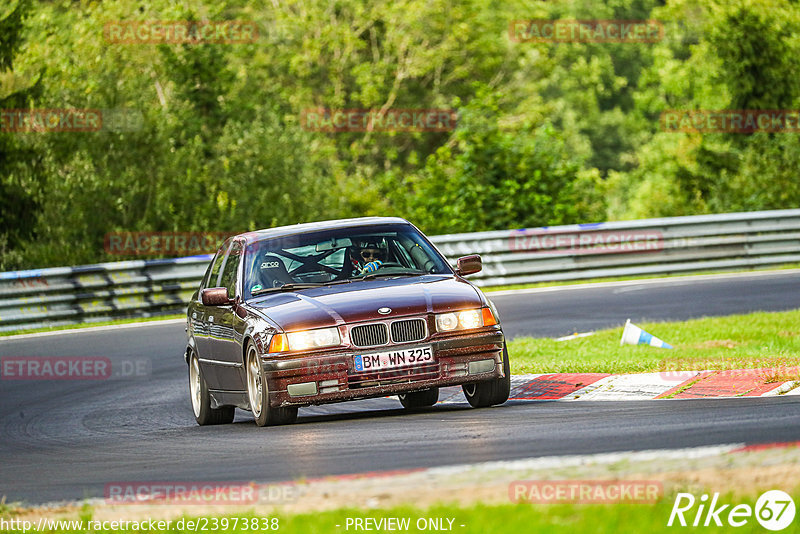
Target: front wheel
490 392
258 395
419 399
204 414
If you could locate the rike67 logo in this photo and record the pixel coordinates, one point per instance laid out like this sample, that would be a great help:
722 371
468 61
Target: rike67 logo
774 510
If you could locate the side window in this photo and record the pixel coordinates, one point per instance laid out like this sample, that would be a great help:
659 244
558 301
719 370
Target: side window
231 266
216 264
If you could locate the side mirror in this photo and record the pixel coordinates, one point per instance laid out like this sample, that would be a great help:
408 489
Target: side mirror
215 296
469 265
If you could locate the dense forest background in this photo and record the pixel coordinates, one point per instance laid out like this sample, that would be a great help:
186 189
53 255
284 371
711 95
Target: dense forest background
549 133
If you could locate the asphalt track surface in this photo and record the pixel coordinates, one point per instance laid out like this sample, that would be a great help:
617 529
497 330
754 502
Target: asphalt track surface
65 440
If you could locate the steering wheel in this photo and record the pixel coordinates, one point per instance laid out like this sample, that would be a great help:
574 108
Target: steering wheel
391 264
372 267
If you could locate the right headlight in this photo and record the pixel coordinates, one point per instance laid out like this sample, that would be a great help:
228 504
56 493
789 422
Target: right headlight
465 320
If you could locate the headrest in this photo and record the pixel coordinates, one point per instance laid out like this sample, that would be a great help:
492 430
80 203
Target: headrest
270 262
371 243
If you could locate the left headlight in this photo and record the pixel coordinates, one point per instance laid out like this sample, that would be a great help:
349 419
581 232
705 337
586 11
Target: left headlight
313 339
464 320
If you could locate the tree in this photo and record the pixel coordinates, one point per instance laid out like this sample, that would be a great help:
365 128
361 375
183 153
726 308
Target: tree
488 178
20 174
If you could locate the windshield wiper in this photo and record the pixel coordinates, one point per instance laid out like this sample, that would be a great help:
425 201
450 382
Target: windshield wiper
286 287
370 276
337 282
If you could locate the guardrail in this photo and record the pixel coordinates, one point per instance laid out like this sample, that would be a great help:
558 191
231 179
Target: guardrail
90 293
631 248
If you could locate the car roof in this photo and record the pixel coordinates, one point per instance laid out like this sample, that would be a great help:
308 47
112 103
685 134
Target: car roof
302 228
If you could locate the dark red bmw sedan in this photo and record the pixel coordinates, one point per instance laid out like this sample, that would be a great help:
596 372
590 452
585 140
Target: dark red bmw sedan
335 311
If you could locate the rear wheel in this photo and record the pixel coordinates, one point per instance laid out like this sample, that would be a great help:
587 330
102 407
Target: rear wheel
204 414
490 392
419 399
258 395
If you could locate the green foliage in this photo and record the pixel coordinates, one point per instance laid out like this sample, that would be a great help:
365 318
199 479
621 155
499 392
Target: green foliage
20 172
766 178
759 45
11 18
730 55
549 133
463 512
491 179
752 341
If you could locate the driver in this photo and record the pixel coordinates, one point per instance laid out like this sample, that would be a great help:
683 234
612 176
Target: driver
369 256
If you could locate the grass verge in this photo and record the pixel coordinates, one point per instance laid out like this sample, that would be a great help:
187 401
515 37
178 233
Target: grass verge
508 518
756 340
92 325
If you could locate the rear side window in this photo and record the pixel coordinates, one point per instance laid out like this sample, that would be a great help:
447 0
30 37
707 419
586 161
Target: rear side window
216 265
231 266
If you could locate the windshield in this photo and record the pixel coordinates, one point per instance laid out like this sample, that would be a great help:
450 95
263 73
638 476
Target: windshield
339 256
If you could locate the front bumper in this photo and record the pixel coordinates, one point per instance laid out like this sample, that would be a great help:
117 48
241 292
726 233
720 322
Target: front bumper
331 377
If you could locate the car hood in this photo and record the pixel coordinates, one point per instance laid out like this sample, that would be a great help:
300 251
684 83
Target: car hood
360 300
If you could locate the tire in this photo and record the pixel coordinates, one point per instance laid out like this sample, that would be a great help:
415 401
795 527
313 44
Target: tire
490 392
258 394
204 414
419 399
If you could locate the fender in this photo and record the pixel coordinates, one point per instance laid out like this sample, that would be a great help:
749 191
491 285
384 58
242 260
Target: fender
190 346
260 331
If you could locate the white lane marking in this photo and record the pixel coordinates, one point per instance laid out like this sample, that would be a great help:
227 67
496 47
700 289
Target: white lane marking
586 390
648 281
451 395
588 459
455 395
628 289
781 389
576 335
90 329
628 387
521 380
795 391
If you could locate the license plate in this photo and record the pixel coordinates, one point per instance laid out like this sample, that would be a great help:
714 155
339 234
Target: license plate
392 359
